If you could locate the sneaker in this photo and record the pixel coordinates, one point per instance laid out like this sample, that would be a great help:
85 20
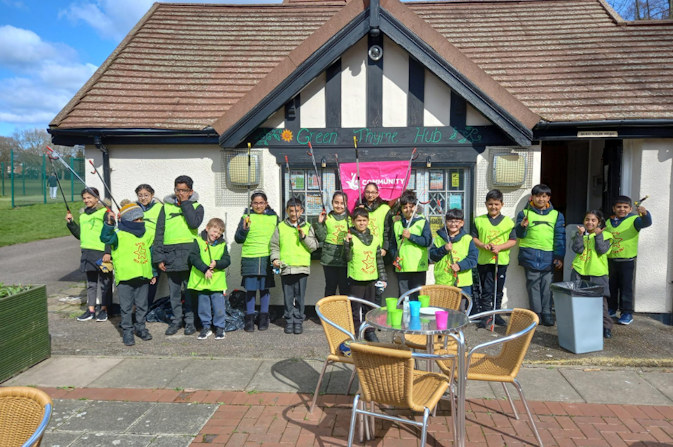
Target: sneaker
219 333
101 316
607 333
625 318
371 336
499 321
547 320
190 329
298 328
87 315
128 338
289 328
484 323
172 329
205 333
612 313
144 334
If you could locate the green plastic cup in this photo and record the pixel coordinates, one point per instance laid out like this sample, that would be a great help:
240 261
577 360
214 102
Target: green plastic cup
391 304
424 299
396 317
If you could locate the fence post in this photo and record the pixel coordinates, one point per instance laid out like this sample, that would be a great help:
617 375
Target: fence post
44 178
12 174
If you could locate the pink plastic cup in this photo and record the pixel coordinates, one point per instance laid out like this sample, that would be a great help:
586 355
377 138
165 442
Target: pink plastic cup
441 317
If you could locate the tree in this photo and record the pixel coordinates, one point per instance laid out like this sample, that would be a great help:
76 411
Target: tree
643 9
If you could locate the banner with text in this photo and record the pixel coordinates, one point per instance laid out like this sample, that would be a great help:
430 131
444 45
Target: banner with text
390 176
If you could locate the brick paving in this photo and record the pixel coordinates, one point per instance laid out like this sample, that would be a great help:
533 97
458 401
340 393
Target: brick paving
282 419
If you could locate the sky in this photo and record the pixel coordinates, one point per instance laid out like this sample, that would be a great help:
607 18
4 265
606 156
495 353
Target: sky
50 48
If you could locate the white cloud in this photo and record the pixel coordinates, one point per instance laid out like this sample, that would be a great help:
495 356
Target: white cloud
22 49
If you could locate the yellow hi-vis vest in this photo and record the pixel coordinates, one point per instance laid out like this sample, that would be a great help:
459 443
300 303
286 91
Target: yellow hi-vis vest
209 253
132 258
335 230
151 217
540 231
292 251
176 230
625 239
590 263
489 234
413 258
377 222
261 229
90 227
363 266
443 271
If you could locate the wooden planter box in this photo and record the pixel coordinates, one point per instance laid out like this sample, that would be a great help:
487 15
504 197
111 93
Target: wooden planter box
24 331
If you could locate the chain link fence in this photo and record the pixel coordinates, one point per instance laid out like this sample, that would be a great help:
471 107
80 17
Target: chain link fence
30 178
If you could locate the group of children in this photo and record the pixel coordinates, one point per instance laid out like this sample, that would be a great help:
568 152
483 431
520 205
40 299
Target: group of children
149 237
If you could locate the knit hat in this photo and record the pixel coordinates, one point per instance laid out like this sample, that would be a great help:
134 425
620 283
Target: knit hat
130 212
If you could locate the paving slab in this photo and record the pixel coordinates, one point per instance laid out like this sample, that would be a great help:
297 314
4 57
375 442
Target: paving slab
65 371
63 410
172 441
619 387
168 418
663 381
107 417
111 440
215 374
141 373
57 439
476 389
286 376
541 384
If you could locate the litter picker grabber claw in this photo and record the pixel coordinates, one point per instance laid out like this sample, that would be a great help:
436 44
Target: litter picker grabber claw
639 202
107 188
317 176
407 176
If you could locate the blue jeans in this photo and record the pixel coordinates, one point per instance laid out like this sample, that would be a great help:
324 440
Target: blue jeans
211 308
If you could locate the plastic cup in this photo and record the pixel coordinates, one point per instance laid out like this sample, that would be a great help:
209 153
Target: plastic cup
414 308
441 317
424 300
396 317
391 304
415 324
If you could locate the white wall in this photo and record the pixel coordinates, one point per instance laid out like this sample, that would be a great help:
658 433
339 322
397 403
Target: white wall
354 86
395 84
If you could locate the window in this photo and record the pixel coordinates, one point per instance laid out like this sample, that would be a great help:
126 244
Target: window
306 187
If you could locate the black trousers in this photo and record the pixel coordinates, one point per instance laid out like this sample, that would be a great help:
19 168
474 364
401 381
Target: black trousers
366 291
621 285
181 309
487 281
336 277
410 280
130 293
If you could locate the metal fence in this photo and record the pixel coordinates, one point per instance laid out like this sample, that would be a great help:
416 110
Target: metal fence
28 178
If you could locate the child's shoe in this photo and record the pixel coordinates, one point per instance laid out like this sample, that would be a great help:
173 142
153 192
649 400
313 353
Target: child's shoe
102 315
289 328
190 329
499 321
87 315
607 333
263 321
128 338
626 318
298 328
144 334
219 333
173 329
612 313
249 323
205 333
547 320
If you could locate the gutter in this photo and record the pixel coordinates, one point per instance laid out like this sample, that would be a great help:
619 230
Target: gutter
605 129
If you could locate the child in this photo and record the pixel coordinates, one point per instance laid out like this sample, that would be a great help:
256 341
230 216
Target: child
494 236
454 254
177 226
93 253
209 257
133 267
592 246
541 232
331 230
151 208
291 247
365 265
625 228
409 246
380 220
254 232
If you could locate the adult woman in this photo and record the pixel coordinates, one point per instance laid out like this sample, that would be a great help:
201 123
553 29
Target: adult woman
254 233
151 208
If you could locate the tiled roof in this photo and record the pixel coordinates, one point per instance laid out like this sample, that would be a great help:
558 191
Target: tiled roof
185 65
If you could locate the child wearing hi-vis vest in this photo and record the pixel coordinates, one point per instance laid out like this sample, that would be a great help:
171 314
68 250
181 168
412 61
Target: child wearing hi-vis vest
593 245
454 253
291 246
131 244
208 279
365 265
330 230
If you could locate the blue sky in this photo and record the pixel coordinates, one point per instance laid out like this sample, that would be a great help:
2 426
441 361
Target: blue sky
50 48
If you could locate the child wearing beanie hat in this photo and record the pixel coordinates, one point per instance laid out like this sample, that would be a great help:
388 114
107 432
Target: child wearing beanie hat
133 267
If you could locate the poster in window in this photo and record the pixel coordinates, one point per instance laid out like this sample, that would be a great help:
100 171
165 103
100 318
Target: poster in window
436 180
313 204
456 201
312 181
436 222
412 180
455 180
298 180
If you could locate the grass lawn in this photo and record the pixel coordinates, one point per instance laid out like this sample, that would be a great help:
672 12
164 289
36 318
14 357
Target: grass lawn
33 222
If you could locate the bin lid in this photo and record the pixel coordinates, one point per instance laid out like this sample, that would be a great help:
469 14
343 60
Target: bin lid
578 288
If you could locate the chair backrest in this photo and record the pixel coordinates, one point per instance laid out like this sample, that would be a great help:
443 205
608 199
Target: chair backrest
337 310
440 295
513 351
385 374
23 410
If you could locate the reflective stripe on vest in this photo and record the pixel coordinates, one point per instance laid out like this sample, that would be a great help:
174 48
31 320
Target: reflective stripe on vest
256 243
132 258
336 230
540 231
377 221
176 230
489 234
363 267
625 239
209 253
292 251
412 257
90 227
590 263
151 217
443 271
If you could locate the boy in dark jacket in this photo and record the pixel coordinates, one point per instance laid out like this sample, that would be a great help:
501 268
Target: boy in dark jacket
177 226
542 238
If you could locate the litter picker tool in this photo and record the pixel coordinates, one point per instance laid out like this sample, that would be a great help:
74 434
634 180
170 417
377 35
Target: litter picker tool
407 176
357 168
107 188
495 290
446 228
289 177
338 166
317 176
396 262
51 161
248 182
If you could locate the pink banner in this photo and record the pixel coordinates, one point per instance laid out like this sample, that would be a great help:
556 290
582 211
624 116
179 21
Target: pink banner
390 176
